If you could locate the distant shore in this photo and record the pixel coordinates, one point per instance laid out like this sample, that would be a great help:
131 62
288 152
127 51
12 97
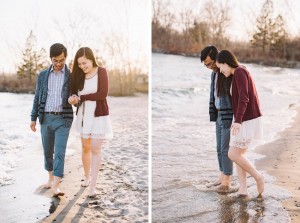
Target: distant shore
271 63
282 161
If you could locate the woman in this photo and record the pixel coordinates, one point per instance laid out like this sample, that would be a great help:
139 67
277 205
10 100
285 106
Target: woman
89 88
247 127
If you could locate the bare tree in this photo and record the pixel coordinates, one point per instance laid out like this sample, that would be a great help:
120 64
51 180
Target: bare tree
120 62
186 19
217 14
78 28
161 13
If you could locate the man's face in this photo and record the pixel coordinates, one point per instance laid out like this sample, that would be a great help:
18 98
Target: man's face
58 62
210 64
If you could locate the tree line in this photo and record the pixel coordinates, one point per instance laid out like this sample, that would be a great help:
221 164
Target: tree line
186 33
124 78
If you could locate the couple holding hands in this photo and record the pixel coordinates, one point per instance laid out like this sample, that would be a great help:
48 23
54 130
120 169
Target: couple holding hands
57 89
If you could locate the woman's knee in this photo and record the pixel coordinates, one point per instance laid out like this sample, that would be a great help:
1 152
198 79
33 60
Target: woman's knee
96 146
233 154
95 150
86 145
85 150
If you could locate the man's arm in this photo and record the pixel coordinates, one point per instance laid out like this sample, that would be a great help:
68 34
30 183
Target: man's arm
35 106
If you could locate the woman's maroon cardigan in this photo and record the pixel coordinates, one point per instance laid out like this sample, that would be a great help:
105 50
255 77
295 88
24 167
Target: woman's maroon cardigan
101 94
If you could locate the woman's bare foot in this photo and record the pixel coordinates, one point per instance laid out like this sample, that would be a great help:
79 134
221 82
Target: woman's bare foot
92 192
242 192
86 182
260 184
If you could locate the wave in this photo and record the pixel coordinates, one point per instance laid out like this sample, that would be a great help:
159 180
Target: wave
179 92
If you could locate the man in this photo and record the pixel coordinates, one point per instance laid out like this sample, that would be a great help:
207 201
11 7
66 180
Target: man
220 111
55 114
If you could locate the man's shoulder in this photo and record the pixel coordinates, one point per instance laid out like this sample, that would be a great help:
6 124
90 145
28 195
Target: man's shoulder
67 70
44 72
41 76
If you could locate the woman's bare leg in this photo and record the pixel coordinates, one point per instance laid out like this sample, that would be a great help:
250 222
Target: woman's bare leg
237 156
86 160
242 178
96 145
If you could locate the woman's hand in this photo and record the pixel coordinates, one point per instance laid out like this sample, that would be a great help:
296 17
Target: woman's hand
235 128
73 99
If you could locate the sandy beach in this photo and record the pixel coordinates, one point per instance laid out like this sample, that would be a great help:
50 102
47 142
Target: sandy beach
282 161
122 184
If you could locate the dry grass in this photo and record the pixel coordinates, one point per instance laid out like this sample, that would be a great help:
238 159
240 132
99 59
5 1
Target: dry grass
120 84
11 83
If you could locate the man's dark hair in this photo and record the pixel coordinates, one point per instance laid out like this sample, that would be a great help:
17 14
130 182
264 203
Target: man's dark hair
57 49
210 51
223 83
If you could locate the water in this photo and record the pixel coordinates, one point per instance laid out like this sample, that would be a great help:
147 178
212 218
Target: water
16 136
183 142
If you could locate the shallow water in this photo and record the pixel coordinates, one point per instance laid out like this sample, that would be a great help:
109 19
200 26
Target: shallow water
16 136
183 143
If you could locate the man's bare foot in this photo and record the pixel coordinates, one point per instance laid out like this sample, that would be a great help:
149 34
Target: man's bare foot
219 181
226 189
260 184
86 182
216 183
57 192
226 181
48 185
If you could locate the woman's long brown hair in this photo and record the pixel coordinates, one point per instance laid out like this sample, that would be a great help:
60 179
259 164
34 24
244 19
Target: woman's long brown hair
226 56
77 75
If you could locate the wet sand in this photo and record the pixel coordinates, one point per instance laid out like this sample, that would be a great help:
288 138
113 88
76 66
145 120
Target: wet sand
282 161
122 185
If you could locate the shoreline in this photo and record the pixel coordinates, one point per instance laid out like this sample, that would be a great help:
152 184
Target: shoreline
122 185
281 64
281 161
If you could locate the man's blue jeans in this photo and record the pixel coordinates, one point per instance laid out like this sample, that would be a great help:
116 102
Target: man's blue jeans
223 138
55 135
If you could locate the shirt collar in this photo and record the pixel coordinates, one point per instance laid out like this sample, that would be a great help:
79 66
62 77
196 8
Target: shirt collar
61 71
